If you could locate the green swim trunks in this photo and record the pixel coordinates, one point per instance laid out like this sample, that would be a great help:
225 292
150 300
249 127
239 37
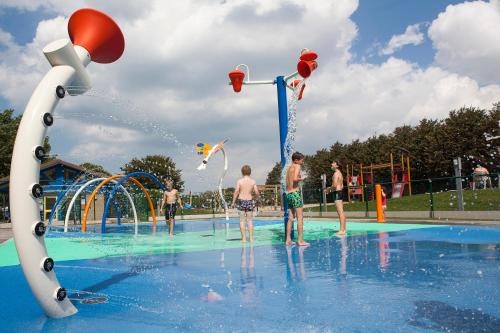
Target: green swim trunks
294 199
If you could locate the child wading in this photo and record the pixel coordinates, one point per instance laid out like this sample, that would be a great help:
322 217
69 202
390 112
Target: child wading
294 199
170 198
246 187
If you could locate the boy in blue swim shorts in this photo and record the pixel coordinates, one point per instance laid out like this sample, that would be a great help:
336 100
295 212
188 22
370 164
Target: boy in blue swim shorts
246 187
294 199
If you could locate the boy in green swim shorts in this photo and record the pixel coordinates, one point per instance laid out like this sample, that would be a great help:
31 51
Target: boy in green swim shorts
294 199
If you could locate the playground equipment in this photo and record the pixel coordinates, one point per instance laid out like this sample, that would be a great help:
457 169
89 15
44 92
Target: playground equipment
207 151
117 185
400 177
96 37
122 178
305 66
84 186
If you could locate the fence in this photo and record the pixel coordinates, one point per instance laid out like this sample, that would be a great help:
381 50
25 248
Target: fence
479 193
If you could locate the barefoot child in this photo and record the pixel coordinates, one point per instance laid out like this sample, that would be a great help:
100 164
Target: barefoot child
170 198
337 189
294 199
245 188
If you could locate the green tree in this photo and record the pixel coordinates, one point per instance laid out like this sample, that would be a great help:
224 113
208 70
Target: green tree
95 167
8 131
274 176
163 167
431 145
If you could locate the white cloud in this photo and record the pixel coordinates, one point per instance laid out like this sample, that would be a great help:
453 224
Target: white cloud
467 40
411 36
169 90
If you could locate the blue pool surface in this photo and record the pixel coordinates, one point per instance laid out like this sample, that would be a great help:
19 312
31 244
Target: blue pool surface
426 279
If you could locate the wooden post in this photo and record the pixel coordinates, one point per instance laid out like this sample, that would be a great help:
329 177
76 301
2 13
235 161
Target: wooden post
348 185
363 196
409 175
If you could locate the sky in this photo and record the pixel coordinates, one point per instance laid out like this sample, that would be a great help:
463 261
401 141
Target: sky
382 64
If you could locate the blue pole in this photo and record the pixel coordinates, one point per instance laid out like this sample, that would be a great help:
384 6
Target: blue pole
283 124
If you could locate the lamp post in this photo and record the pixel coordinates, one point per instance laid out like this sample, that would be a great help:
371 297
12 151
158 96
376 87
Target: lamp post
305 66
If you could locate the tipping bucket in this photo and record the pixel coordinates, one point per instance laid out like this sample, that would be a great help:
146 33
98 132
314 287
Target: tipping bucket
295 84
236 76
98 34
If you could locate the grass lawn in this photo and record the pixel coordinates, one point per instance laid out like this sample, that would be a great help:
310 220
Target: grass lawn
486 199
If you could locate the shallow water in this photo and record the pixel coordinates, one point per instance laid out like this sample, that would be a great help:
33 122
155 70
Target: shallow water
389 278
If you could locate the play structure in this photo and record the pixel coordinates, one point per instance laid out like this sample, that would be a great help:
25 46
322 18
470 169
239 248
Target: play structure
90 183
305 66
117 186
207 152
362 176
94 36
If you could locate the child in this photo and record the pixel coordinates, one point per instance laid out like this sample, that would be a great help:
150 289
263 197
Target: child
294 199
170 198
384 199
245 187
338 195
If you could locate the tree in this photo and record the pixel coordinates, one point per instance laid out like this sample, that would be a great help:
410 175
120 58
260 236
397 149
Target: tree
163 167
8 131
431 145
274 176
95 167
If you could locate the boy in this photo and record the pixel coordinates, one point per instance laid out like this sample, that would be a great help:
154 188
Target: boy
170 198
294 199
338 195
243 192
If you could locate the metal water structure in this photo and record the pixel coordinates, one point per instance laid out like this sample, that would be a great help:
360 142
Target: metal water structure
91 182
94 36
286 113
208 154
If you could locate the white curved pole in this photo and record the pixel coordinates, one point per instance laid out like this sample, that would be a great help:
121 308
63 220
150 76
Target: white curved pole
28 230
90 182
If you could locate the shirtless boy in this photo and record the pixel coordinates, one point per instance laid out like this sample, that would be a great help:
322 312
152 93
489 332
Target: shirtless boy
245 188
294 199
337 189
170 198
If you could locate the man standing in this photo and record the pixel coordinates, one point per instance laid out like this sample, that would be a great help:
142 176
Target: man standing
294 199
170 198
338 195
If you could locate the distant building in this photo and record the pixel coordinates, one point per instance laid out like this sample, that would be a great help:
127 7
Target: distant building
55 177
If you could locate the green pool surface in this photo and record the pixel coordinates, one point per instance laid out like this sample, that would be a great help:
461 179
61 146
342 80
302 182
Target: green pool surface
119 244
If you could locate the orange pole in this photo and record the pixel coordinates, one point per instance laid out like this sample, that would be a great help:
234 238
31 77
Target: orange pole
378 200
104 182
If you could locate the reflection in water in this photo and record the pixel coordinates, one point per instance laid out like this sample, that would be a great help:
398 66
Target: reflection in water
443 317
248 279
343 255
292 265
384 254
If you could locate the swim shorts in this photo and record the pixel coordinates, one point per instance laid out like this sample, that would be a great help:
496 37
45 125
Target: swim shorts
338 195
245 205
294 199
170 211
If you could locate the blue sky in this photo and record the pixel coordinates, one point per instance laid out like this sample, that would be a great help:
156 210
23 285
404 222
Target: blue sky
378 20
382 64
